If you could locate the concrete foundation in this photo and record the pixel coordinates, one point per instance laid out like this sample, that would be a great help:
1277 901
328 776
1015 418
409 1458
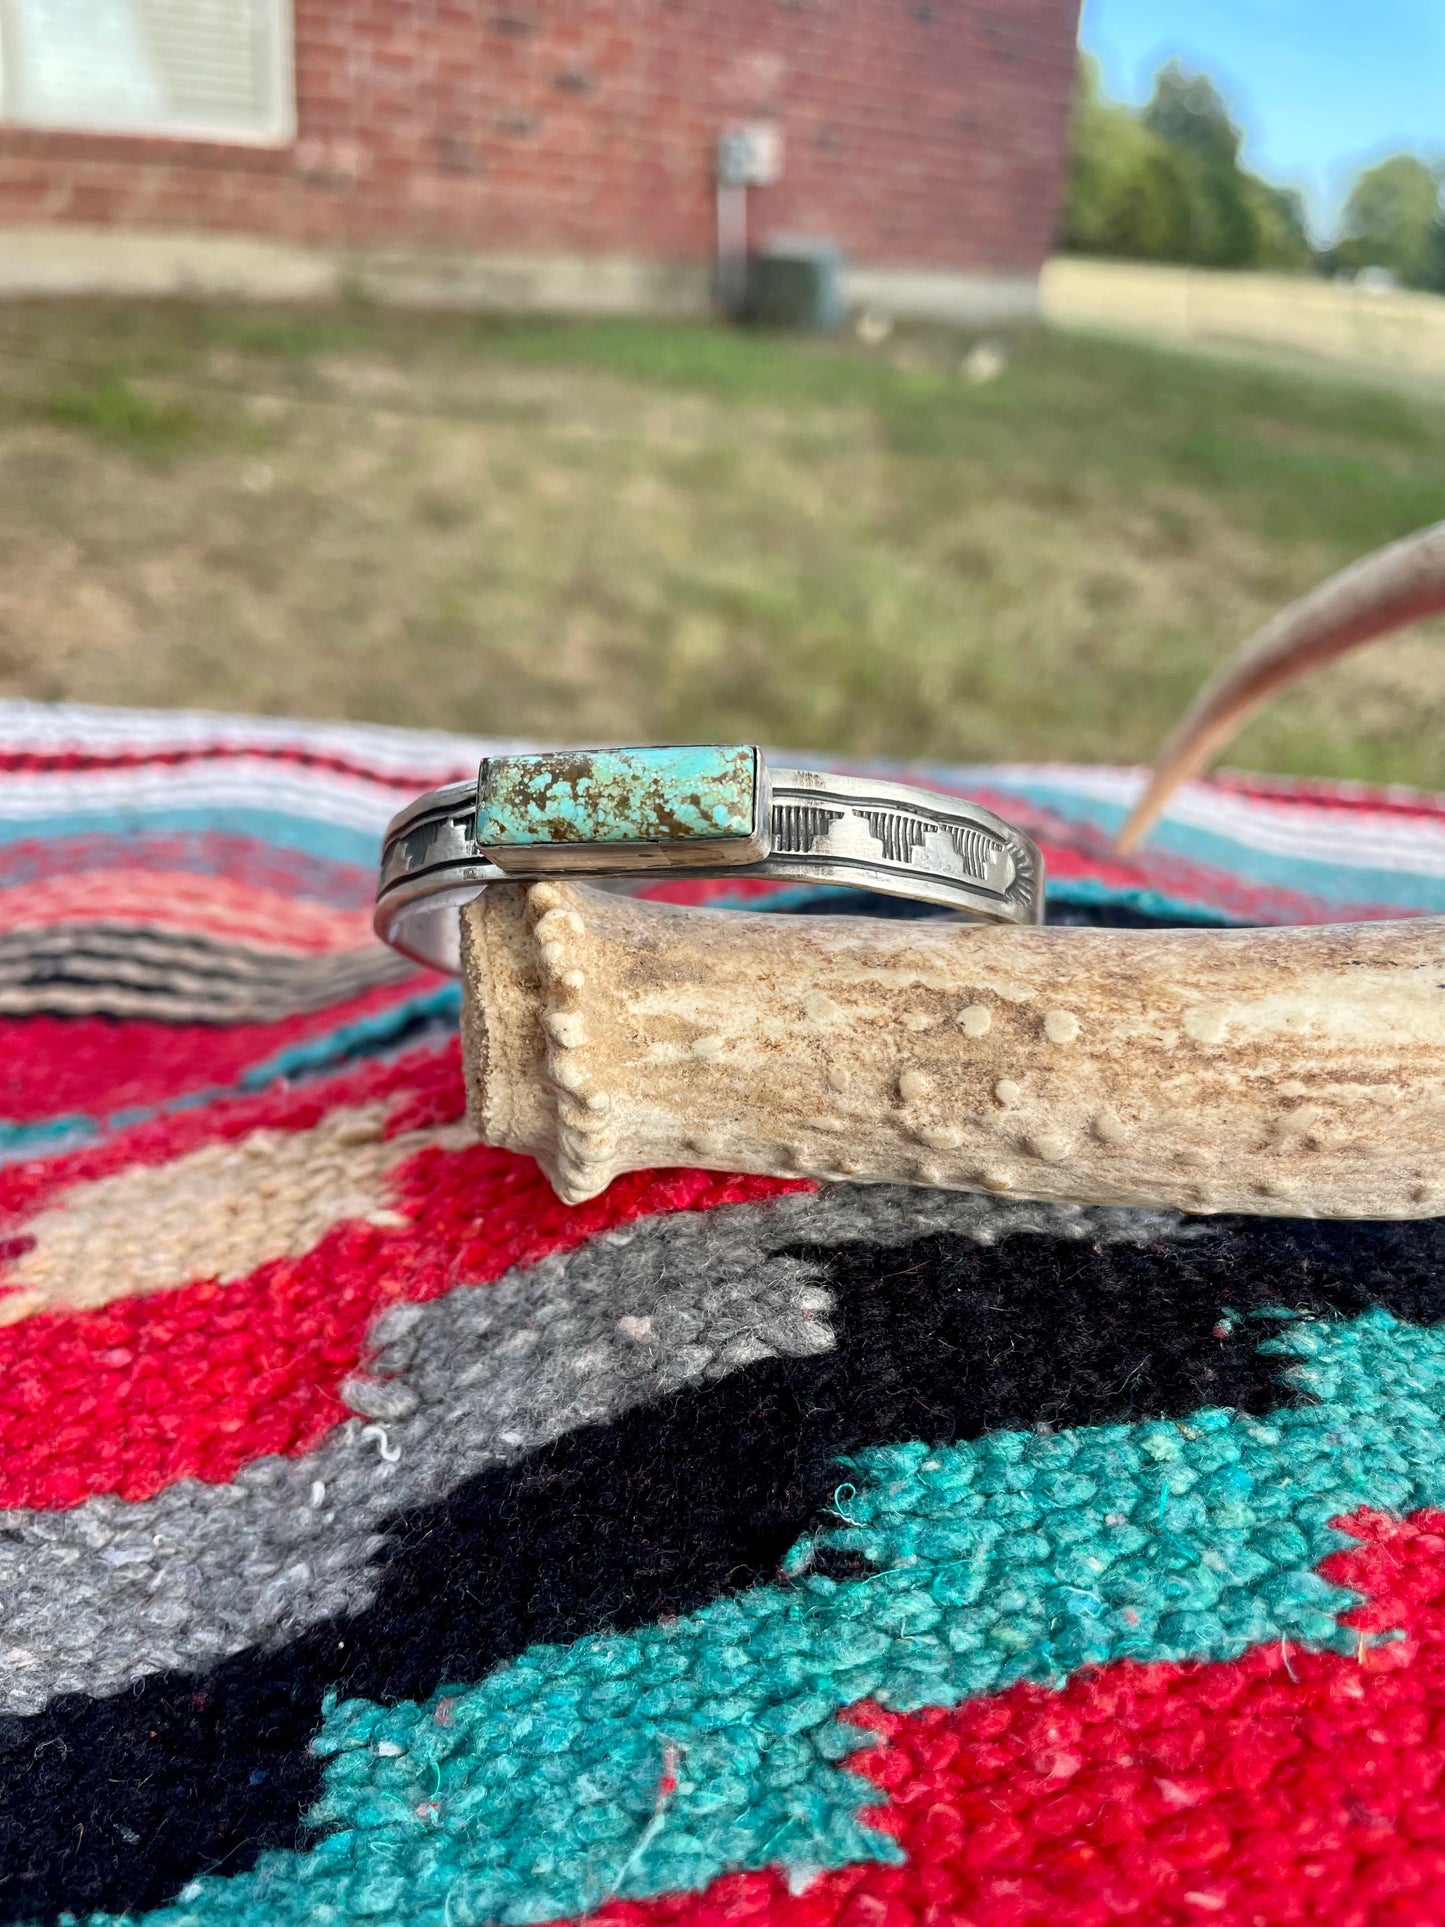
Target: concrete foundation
968 300
77 261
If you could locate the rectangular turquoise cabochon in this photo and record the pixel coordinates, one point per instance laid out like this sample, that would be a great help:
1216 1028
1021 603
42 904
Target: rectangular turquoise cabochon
648 795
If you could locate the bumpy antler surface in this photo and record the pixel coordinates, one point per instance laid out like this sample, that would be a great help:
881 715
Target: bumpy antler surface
1278 1071
1396 586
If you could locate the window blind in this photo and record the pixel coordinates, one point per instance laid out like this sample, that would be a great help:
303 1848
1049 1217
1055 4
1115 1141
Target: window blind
203 69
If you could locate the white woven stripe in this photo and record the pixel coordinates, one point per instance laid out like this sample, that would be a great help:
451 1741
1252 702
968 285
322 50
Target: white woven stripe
350 802
1275 826
1358 837
389 751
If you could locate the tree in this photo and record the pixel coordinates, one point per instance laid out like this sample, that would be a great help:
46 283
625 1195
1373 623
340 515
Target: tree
1393 219
1283 234
1124 195
1166 185
1187 112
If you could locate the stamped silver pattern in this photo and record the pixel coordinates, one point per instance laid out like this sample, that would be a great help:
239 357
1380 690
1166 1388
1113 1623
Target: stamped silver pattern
859 833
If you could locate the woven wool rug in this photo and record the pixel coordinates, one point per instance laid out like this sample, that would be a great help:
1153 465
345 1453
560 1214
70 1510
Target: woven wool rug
386 1542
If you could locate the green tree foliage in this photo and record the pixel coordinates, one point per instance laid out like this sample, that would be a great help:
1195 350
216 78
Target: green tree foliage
1188 113
1165 184
1393 219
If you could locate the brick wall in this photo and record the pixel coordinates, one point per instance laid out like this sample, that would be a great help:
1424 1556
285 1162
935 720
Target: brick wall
920 133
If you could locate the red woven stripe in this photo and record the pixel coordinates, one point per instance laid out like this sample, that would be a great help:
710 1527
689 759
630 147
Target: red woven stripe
432 1081
1333 795
40 762
266 920
244 861
93 1065
704 890
1288 1786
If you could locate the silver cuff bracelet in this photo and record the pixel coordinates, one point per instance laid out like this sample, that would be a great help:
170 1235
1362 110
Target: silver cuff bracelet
703 810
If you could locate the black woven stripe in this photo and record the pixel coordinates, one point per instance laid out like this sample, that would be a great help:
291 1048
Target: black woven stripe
116 1803
123 941
202 977
843 902
138 963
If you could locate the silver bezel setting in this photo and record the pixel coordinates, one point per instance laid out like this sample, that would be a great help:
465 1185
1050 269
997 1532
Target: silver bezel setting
697 853
857 832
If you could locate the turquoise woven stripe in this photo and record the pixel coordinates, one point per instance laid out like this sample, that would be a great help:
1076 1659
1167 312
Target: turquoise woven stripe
285 829
534 1794
1333 879
362 1037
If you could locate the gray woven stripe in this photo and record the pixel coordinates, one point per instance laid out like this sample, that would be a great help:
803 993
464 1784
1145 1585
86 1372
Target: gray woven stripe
137 970
94 1598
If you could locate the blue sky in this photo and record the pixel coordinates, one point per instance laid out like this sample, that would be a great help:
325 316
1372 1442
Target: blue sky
1319 86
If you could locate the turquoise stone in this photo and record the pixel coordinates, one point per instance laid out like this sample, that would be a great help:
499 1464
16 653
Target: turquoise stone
656 795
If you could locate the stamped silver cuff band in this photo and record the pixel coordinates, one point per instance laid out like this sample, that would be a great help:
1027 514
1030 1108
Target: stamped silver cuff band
704 810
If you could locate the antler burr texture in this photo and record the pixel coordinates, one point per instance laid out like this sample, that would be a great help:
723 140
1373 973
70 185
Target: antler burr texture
1295 1072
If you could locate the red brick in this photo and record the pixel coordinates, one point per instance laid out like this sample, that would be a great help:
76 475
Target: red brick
926 143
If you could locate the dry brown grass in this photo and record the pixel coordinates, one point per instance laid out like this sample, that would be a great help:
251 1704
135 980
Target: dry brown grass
622 531
1395 331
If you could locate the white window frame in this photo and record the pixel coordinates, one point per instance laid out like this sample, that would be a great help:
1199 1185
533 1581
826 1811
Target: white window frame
280 132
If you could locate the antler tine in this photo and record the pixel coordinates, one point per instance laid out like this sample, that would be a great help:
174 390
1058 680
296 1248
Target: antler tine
1388 590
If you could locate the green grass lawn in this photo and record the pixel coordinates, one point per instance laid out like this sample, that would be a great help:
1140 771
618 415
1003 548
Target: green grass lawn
614 531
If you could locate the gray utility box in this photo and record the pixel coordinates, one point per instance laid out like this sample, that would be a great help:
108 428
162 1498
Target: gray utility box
796 284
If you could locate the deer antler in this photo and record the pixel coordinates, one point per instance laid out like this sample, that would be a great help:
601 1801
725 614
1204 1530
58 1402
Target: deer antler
1273 1071
1395 586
